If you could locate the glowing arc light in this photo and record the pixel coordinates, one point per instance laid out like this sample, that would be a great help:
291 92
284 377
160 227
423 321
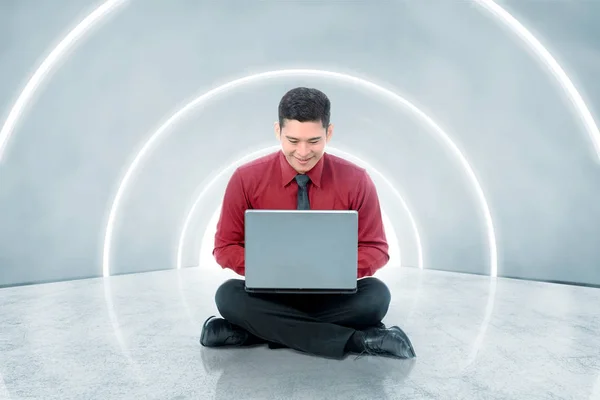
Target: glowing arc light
232 166
561 76
293 73
49 62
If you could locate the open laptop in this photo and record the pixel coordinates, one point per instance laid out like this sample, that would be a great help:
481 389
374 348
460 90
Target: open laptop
301 251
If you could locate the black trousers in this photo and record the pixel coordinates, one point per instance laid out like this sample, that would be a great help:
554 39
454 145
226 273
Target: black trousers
318 324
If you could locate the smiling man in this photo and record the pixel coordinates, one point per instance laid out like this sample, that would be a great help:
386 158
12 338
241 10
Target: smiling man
320 324
301 148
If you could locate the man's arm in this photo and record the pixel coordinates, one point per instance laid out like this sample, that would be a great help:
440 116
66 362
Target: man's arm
372 243
229 239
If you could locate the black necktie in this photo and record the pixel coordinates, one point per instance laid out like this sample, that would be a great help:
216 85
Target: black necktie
302 181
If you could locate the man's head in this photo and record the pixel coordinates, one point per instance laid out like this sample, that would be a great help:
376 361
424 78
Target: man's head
304 127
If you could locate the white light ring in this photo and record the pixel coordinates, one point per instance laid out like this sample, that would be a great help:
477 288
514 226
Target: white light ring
561 76
4 393
50 62
232 166
293 73
114 322
596 389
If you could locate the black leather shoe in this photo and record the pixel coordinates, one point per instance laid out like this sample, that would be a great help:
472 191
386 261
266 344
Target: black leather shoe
379 326
218 332
391 342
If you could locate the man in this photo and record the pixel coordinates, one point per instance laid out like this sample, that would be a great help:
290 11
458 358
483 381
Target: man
326 325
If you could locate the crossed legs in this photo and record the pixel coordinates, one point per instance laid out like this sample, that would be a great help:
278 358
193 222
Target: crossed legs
315 324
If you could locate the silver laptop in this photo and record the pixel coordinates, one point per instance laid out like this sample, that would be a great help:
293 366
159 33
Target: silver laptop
301 251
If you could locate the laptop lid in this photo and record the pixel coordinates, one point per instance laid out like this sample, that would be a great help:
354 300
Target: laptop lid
304 251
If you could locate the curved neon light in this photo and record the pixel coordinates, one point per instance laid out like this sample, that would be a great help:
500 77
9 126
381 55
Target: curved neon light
4 393
491 235
231 167
50 62
561 76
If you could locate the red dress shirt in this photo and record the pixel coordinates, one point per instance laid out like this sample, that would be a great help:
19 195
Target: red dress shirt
268 183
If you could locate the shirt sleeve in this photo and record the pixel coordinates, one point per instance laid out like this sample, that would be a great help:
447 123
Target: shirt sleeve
229 249
372 243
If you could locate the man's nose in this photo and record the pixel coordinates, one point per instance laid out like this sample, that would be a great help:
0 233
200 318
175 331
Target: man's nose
303 149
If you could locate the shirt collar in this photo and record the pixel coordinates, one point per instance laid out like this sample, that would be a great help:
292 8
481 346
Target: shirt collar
288 173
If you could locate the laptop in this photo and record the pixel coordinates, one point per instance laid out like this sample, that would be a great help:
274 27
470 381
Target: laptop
301 251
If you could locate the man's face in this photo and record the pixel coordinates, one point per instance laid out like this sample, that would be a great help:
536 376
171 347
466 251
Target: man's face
303 143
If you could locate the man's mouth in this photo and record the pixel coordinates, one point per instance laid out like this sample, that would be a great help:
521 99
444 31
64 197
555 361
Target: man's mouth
303 160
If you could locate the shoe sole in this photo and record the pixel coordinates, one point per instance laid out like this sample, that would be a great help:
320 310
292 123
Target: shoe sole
405 337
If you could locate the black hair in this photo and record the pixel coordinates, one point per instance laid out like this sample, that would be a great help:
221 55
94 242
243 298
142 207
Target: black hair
305 105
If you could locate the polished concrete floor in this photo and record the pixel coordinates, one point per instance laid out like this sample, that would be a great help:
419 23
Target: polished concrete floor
136 337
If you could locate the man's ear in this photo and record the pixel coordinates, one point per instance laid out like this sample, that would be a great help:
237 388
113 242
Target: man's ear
329 133
277 130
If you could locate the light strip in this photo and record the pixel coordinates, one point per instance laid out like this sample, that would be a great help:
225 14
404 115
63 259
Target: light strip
295 73
231 167
550 62
50 62
4 393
